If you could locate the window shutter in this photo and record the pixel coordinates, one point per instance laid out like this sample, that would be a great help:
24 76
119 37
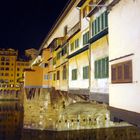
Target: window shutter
113 73
106 19
96 69
122 72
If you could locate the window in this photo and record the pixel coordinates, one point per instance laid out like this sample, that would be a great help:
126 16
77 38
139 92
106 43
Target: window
18 69
58 75
6 68
58 55
74 74
76 43
72 46
100 23
65 30
6 74
64 72
101 68
122 72
85 11
50 76
7 63
86 72
64 50
54 60
2 59
17 74
46 77
45 65
7 59
85 38
2 63
2 68
54 76
1 74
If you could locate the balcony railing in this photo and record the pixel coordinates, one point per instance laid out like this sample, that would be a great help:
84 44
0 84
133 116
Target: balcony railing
73 30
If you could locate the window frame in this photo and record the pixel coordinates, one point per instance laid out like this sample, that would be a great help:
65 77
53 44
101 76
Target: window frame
74 74
86 72
121 80
101 68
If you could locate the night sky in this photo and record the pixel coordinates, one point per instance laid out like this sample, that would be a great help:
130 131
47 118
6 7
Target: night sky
25 23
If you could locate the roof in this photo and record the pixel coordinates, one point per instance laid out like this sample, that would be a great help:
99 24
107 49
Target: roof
81 2
64 12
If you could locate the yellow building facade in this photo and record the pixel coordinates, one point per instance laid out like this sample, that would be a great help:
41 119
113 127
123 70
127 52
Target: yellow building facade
11 71
78 39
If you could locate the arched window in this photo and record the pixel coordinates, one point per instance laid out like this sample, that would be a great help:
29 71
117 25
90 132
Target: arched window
2 58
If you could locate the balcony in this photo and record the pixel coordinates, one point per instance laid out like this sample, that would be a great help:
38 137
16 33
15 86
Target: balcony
56 43
74 30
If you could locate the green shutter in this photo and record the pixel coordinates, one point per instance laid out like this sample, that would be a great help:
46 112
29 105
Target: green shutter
86 72
96 69
74 74
92 28
95 27
106 19
103 68
72 46
99 68
107 67
85 38
102 21
98 20
76 43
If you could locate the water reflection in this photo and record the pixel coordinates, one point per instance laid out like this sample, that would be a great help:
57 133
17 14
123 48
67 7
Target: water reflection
11 120
122 133
11 128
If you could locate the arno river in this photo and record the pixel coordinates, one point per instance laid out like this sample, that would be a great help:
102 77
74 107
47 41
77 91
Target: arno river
11 128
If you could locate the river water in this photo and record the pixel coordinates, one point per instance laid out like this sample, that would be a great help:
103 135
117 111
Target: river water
11 128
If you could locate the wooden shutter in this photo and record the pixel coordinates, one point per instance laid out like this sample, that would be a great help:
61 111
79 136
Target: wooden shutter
122 72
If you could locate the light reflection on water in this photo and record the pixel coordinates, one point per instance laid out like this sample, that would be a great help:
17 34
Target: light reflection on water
11 128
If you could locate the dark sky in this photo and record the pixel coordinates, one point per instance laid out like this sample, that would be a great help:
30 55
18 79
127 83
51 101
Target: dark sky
25 23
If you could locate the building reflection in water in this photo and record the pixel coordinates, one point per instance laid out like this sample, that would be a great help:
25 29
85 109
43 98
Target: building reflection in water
11 124
11 120
116 133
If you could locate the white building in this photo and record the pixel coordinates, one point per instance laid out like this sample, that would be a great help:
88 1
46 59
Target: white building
124 57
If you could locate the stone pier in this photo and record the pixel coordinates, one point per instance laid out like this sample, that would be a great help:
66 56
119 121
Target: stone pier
59 111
